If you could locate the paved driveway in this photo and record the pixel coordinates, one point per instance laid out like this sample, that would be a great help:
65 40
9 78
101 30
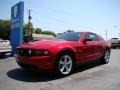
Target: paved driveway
93 76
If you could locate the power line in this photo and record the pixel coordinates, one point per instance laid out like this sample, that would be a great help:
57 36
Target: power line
51 18
61 12
62 21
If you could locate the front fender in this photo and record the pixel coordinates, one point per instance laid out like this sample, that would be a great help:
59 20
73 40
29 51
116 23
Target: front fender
61 49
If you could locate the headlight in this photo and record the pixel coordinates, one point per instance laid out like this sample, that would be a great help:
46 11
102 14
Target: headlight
40 52
31 52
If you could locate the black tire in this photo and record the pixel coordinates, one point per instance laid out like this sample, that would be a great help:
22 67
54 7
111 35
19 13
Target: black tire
106 57
113 47
68 64
12 55
23 66
2 55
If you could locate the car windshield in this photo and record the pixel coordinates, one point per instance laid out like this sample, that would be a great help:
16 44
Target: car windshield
69 36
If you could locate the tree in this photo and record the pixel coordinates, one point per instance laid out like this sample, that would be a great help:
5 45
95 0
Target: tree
38 30
5 29
49 32
70 30
28 30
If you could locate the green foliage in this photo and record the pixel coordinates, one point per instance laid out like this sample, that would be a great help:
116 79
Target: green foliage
59 34
5 29
70 30
38 31
28 30
49 32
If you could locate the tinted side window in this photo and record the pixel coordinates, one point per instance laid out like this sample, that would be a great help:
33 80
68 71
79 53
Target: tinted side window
92 36
100 38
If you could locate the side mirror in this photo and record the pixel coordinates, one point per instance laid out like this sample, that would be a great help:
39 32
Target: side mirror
87 39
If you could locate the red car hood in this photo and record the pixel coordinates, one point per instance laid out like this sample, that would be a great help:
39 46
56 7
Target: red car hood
43 44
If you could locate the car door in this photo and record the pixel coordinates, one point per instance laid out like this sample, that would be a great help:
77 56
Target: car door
89 49
94 45
100 46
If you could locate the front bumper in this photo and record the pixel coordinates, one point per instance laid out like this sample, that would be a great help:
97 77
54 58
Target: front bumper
4 49
41 62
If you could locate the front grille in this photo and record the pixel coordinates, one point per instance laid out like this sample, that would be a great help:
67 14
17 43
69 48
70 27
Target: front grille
24 52
31 52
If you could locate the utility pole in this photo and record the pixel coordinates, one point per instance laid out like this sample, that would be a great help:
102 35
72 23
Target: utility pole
29 17
29 22
119 36
106 33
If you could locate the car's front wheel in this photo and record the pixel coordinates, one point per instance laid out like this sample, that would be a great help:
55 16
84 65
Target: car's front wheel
64 64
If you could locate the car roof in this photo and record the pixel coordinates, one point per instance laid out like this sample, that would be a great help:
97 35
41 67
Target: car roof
84 32
80 32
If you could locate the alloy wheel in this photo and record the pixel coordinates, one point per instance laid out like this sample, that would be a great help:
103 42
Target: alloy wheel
106 56
65 64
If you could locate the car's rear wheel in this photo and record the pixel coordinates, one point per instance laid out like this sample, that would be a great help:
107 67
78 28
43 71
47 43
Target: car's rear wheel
106 57
64 64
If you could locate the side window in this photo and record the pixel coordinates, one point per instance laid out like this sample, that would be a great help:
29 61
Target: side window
87 35
100 38
91 36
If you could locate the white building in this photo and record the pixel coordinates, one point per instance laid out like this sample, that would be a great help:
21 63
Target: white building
42 36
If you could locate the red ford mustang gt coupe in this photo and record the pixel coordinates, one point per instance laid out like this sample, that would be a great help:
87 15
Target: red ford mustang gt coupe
64 52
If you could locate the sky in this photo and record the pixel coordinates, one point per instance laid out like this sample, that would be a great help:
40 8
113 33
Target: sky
79 15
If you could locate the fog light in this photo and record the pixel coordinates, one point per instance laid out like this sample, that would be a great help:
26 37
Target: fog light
29 51
45 52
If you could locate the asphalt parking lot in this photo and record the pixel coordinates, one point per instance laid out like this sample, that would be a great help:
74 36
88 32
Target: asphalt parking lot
93 76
